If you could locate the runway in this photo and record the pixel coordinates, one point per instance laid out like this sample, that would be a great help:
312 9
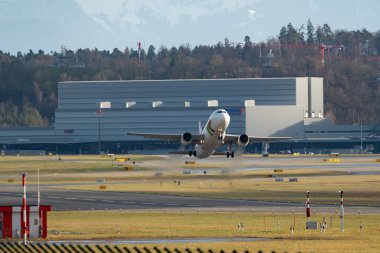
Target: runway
64 199
95 200
68 200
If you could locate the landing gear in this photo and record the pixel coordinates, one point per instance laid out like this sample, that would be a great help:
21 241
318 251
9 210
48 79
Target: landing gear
230 154
193 153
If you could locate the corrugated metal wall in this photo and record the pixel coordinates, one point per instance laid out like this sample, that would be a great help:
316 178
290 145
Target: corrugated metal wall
78 102
184 103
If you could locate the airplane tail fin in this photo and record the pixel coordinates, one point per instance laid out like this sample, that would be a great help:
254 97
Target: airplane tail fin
200 127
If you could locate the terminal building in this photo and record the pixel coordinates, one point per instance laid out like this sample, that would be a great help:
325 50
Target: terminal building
95 116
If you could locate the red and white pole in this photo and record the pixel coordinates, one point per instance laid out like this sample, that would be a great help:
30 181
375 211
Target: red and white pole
39 204
308 208
25 226
322 48
139 50
341 212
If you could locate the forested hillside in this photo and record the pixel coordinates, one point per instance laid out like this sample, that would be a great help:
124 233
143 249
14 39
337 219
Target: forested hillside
349 61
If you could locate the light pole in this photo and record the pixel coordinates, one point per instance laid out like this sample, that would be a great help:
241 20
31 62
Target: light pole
99 114
361 134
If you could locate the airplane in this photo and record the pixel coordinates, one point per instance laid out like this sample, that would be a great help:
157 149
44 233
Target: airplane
211 137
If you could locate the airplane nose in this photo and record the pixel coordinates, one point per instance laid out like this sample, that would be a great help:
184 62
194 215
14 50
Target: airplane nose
223 121
227 120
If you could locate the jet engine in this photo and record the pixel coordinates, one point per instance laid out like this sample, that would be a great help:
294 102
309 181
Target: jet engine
243 140
186 138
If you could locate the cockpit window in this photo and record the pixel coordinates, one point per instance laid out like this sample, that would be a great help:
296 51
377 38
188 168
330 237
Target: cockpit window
221 111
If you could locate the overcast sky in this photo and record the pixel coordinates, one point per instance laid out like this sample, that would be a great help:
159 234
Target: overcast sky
106 24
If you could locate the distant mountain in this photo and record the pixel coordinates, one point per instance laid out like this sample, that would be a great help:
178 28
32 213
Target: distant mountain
48 24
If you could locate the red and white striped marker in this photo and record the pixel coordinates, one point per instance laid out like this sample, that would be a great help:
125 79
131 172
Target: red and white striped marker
308 206
341 212
25 226
307 209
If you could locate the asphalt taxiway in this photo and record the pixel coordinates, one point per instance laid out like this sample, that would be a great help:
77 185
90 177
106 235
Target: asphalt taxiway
66 200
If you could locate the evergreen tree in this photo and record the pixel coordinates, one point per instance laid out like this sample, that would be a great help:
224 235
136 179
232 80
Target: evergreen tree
350 74
310 33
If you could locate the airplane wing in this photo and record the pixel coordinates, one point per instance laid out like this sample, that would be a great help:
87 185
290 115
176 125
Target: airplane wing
197 138
232 138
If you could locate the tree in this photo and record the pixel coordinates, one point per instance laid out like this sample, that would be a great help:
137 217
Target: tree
247 42
310 33
327 33
151 54
377 42
282 35
31 79
291 35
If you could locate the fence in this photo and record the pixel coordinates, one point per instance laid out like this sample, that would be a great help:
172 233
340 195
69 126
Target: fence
12 247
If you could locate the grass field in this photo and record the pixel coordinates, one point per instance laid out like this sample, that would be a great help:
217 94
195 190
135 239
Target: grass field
65 169
154 175
138 225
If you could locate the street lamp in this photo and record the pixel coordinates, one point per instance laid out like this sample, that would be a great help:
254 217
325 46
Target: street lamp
99 114
361 133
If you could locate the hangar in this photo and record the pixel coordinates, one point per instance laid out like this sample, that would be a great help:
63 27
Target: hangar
96 115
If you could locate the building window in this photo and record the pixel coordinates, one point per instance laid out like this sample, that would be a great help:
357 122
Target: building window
213 103
187 103
157 103
130 104
106 104
249 102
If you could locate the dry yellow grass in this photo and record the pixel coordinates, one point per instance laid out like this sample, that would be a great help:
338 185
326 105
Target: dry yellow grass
132 225
64 169
323 185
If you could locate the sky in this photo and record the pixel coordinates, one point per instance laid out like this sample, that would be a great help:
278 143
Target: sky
108 24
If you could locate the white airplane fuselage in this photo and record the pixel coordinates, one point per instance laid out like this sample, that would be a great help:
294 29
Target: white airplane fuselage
214 133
